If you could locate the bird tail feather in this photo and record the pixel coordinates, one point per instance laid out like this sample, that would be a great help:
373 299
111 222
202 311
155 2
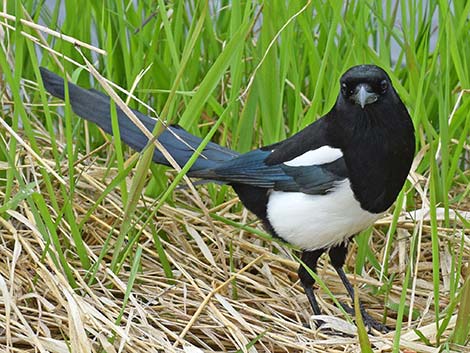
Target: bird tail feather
94 106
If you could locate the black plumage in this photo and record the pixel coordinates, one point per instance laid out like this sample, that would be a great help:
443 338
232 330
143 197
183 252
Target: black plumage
315 189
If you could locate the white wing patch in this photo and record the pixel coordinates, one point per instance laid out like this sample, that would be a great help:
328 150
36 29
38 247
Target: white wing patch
318 221
322 155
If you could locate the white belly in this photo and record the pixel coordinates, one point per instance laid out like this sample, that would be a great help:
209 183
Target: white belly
318 221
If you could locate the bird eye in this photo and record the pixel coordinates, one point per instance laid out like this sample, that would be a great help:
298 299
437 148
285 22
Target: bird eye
383 86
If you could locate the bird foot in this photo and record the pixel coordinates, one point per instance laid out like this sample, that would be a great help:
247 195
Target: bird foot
368 320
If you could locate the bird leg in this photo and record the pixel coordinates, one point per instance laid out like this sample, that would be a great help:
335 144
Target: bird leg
310 259
338 256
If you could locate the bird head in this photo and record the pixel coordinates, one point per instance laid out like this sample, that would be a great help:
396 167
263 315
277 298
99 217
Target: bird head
364 85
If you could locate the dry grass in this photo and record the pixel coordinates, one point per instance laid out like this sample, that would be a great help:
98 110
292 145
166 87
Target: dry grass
41 312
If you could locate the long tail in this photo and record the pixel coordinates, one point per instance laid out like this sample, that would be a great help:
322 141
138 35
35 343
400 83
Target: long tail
95 107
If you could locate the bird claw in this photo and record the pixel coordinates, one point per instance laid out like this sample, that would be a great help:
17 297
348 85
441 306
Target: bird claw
368 320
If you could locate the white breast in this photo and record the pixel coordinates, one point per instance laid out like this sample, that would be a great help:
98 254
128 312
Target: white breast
318 221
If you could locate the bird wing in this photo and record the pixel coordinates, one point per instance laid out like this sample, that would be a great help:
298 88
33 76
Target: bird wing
310 173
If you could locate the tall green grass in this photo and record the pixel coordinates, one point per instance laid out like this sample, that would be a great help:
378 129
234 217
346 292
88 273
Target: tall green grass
225 69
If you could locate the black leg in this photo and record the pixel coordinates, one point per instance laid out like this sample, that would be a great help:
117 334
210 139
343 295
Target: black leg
338 257
310 258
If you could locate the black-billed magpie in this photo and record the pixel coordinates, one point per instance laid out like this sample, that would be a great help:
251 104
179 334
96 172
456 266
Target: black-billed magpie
316 189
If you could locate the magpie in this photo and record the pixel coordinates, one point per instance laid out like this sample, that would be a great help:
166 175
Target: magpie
315 189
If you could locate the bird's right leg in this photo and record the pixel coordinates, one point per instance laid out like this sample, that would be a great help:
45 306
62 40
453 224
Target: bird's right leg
310 259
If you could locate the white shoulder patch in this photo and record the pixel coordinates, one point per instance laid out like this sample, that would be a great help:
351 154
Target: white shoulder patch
322 155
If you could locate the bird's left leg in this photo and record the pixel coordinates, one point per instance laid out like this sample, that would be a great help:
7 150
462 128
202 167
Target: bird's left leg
310 259
338 258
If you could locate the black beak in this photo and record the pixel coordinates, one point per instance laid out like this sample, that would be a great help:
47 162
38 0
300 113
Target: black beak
364 95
